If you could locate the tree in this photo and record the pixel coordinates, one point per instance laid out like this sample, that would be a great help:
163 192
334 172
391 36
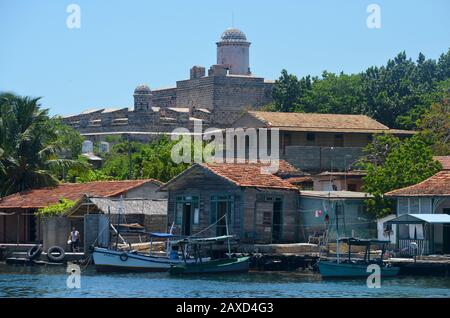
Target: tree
286 92
435 123
29 147
391 164
397 94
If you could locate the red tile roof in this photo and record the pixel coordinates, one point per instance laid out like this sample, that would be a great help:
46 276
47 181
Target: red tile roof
248 175
38 198
437 185
444 160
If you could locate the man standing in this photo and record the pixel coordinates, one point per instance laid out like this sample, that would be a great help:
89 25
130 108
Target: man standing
74 238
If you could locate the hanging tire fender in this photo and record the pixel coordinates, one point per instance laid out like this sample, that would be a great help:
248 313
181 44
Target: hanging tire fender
124 257
34 252
58 250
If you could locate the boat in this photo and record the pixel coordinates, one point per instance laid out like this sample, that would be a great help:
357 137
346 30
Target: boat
356 267
107 259
221 265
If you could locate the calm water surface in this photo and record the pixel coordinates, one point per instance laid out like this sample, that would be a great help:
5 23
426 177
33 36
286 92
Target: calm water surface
39 281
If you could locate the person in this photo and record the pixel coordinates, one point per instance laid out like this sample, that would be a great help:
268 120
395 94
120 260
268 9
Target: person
74 238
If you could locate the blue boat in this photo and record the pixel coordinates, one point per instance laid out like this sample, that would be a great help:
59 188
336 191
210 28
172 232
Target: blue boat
356 267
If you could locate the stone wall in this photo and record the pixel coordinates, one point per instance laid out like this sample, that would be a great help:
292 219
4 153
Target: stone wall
217 100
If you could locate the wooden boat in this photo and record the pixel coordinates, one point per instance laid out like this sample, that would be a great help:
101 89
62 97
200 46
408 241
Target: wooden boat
356 267
221 265
114 260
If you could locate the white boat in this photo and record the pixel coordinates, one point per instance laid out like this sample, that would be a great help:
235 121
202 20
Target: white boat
114 260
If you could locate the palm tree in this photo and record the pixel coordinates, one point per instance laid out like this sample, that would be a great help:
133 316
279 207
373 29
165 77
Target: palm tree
28 145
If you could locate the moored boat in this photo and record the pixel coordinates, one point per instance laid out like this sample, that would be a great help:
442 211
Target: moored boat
356 267
333 269
115 260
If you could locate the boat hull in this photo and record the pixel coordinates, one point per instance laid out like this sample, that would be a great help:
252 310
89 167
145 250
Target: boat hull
232 265
111 260
332 269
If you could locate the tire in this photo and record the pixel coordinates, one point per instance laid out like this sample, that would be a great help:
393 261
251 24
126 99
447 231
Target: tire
53 258
34 252
124 257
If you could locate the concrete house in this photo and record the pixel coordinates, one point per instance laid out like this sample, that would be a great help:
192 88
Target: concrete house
19 224
319 210
319 142
261 208
423 215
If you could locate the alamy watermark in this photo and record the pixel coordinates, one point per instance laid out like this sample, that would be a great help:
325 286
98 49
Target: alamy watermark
74 279
374 19
73 20
230 145
374 279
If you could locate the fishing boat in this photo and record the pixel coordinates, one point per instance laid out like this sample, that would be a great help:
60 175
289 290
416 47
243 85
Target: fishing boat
108 259
356 267
200 266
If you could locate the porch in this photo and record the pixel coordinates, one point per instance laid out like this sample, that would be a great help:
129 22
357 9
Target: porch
427 233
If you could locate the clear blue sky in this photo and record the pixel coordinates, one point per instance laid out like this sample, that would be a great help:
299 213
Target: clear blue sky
125 43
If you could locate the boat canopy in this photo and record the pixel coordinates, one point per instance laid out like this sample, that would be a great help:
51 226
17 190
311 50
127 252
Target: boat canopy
161 235
204 240
362 242
421 219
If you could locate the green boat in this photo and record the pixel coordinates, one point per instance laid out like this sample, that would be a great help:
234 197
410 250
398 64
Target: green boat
356 267
223 265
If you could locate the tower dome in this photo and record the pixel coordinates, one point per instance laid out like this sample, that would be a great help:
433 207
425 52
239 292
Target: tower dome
142 89
233 51
233 35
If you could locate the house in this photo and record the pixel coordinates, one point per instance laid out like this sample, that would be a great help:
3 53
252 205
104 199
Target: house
319 142
423 215
19 224
260 207
338 181
321 212
444 160
92 216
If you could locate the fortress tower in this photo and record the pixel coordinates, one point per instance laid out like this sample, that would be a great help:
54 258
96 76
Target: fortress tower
142 98
233 51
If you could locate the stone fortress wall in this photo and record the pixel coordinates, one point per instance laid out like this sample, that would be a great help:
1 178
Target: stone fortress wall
217 98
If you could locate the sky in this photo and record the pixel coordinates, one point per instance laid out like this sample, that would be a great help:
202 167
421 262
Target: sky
121 44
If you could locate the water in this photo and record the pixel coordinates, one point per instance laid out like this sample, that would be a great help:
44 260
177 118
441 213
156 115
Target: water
39 281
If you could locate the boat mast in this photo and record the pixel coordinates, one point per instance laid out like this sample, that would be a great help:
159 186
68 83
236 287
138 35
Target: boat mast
337 232
118 222
228 239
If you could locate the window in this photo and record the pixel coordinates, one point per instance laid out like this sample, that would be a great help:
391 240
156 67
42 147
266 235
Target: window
339 140
221 205
351 187
310 139
287 139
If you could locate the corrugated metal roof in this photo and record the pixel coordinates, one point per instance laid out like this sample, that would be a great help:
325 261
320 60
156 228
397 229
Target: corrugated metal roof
335 194
131 206
421 218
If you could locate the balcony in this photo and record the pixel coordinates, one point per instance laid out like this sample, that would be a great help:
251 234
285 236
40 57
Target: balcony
316 158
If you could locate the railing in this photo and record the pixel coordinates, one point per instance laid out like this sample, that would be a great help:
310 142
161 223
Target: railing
404 245
321 158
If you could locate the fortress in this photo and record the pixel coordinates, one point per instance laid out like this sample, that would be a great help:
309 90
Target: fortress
217 98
